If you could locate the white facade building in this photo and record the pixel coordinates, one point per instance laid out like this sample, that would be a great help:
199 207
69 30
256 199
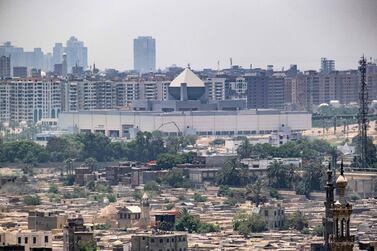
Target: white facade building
29 100
206 123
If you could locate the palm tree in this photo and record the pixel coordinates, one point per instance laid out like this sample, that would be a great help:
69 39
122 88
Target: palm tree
245 149
69 166
256 192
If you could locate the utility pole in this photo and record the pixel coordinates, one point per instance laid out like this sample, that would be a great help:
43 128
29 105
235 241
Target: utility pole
363 112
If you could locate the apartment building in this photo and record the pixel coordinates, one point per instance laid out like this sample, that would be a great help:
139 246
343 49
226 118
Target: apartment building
29 100
275 91
215 88
238 88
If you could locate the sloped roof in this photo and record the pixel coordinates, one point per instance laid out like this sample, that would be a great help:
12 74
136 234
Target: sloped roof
133 209
188 77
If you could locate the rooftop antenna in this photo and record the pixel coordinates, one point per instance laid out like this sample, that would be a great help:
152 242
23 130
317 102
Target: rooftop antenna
218 65
231 62
363 112
188 66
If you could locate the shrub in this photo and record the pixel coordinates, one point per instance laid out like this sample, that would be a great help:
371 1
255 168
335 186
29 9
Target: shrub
32 200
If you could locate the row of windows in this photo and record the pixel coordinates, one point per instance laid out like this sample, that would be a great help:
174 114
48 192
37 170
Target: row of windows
161 240
26 239
168 249
128 216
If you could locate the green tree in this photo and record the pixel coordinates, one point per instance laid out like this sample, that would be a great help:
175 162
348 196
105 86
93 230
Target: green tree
256 192
24 151
231 201
32 200
91 163
137 195
297 221
233 173
249 223
280 176
176 178
245 150
119 150
112 198
318 230
169 160
95 146
224 191
165 226
53 189
91 185
152 186
313 178
189 223
199 198
87 246
68 180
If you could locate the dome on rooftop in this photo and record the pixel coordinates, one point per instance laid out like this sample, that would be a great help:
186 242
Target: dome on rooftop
341 180
187 77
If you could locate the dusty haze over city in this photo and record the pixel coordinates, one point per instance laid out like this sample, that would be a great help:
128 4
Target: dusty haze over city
257 32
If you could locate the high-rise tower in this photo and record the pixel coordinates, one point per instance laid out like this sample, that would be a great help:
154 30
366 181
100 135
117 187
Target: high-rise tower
363 113
145 54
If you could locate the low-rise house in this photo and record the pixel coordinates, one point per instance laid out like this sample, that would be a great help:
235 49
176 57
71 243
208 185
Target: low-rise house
274 215
176 241
80 175
46 220
26 240
76 236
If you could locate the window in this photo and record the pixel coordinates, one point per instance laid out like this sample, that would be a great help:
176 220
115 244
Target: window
152 240
26 240
19 240
34 240
161 240
46 238
266 213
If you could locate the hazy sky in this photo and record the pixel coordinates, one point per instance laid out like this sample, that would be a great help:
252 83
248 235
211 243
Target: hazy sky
200 32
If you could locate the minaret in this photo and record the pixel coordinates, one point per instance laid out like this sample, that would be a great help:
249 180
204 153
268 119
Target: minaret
329 203
145 208
341 240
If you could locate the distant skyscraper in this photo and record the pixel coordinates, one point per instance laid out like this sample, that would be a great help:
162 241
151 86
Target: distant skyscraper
4 67
77 53
31 59
145 54
57 53
327 65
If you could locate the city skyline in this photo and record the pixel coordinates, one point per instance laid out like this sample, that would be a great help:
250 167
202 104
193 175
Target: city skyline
199 34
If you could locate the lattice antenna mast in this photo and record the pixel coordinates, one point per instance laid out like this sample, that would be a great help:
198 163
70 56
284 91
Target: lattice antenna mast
363 112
